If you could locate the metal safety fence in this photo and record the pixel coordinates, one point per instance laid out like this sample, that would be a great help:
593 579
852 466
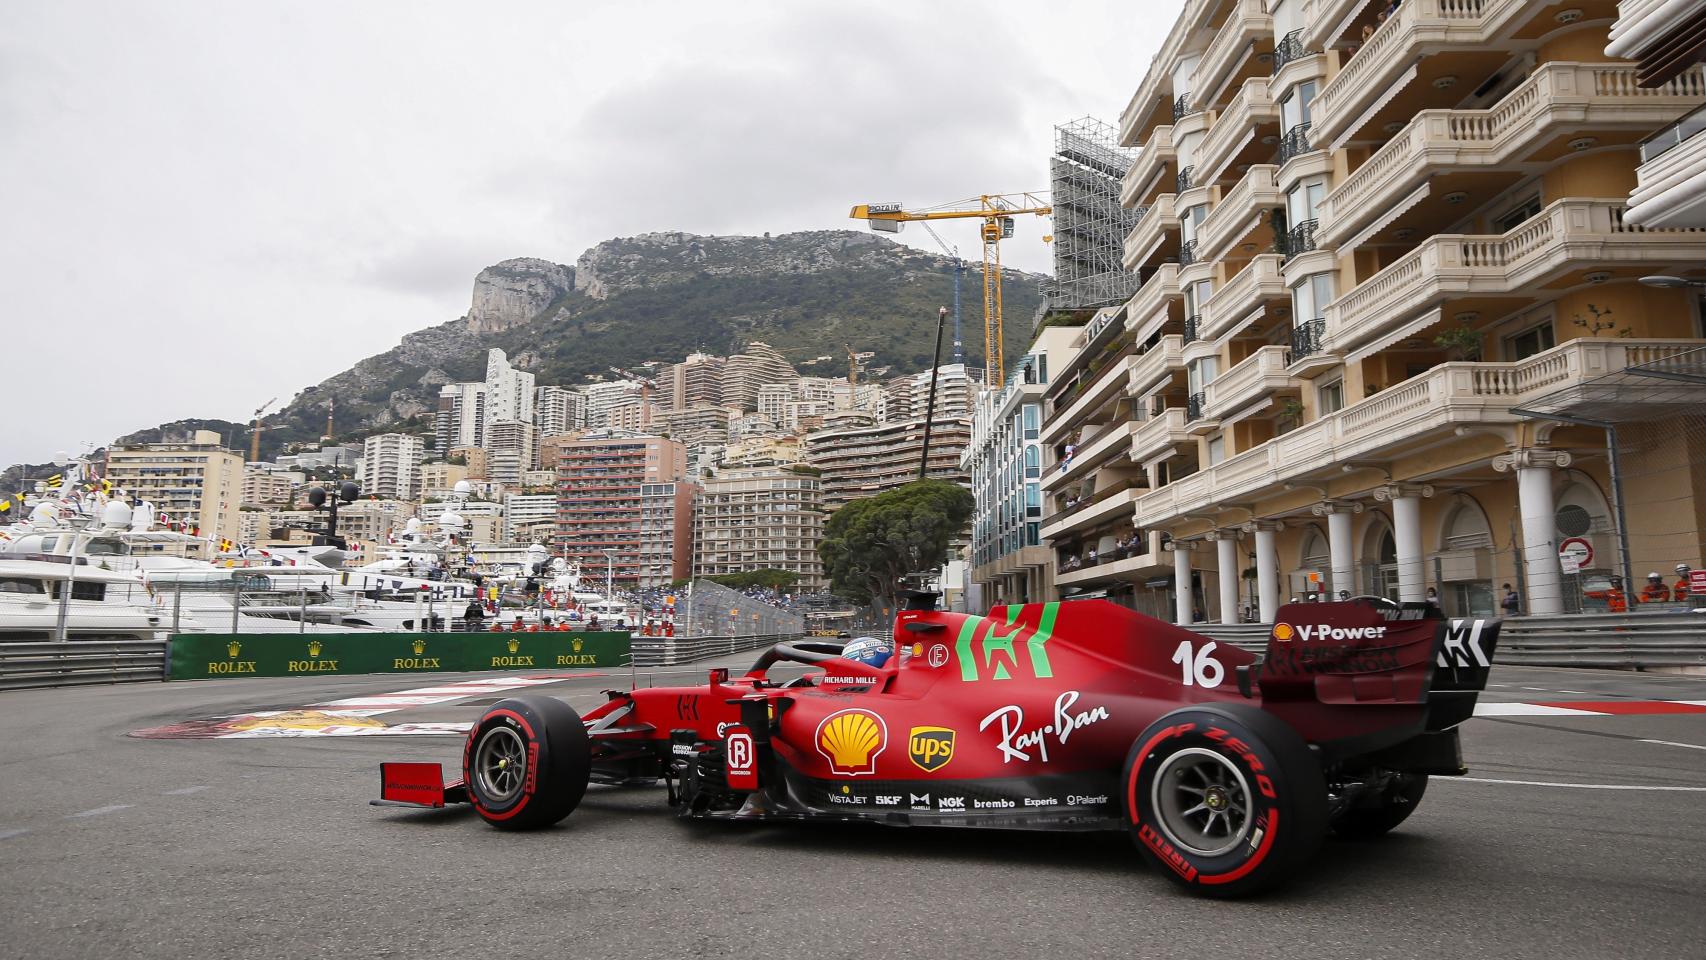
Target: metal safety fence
706 609
80 662
669 651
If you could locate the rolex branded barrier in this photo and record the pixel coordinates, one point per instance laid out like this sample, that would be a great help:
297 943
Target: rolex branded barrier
202 656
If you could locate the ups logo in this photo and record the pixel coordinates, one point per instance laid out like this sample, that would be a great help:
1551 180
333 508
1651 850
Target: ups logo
930 748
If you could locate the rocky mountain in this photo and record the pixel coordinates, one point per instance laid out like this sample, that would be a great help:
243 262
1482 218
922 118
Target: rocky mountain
657 297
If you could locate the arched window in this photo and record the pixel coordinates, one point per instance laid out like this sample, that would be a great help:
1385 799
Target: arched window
1316 553
1033 463
1467 529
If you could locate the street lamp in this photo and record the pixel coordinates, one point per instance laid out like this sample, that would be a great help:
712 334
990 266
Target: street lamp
609 573
1669 282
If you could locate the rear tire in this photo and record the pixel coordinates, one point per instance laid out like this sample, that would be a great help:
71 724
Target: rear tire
526 763
1394 807
1225 799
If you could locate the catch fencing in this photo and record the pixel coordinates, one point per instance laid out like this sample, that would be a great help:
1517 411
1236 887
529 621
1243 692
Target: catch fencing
710 610
670 651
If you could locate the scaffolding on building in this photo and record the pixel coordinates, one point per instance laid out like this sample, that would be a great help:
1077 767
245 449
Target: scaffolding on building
1090 226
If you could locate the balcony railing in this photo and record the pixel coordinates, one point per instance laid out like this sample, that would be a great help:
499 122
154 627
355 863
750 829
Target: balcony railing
1193 326
1308 338
1295 141
1188 252
1182 181
1080 504
1299 239
1193 406
1182 106
1690 126
1288 49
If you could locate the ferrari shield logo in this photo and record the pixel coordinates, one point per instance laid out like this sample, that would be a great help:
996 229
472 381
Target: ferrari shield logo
930 748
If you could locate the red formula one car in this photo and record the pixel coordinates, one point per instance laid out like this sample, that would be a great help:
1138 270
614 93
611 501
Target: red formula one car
1225 768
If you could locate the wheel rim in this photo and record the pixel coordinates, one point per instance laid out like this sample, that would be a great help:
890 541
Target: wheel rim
1202 802
500 764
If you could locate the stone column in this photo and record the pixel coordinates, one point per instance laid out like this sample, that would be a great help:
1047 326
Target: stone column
1406 500
1267 567
1181 581
1339 514
1226 550
1544 575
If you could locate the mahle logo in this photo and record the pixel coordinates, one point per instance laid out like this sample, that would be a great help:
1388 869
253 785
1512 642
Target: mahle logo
930 748
996 643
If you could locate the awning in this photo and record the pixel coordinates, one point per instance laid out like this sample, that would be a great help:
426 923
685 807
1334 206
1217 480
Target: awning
1386 218
1404 332
1380 102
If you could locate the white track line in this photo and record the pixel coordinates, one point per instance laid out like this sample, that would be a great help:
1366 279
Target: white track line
8 834
1529 710
100 811
1572 786
184 791
1673 743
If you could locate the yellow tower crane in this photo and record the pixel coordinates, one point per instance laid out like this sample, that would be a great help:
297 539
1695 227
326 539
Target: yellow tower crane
997 212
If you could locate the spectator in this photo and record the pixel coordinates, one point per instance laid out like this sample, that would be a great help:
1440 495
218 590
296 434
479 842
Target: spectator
1655 591
1432 599
1681 590
473 614
1511 604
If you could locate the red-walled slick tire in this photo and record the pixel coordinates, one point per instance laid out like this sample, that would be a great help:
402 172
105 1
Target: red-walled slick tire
526 763
1225 799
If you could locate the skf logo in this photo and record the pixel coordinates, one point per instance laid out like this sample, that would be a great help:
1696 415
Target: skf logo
851 740
930 748
514 645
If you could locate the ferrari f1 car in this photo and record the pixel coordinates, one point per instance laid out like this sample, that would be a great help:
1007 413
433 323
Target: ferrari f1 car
1225 768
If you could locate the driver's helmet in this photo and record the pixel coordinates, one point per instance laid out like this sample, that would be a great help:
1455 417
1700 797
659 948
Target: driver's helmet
867 650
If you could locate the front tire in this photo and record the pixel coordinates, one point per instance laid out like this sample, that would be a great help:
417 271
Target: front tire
1225 799
526 763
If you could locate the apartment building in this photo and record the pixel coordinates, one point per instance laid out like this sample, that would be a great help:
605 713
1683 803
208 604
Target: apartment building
460 420
699 425
1004 459
195 481
603 398
907 397
558 410
523 513
391 466
262 487
603 504
861 458
760 518
1372 239
509 451
440 477
744 374
696 380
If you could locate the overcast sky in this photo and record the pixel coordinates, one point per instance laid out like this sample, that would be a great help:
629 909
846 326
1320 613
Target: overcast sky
211 204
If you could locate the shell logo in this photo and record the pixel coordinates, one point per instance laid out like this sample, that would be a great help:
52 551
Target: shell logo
851 740
1284 633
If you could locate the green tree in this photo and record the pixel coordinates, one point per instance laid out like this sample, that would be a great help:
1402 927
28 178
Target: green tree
869 545
768 577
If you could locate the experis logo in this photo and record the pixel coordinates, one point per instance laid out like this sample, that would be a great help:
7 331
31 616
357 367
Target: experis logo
1285 633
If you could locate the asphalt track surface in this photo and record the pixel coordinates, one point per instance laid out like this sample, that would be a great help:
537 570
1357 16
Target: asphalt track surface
116 847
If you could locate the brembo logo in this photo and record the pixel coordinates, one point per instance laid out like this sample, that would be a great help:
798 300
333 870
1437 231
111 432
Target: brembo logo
1285 633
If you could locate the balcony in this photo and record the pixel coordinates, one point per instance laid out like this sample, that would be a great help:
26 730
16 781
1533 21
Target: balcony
1435 403
1194 408
1193 324
1290 47
1299 239
1415 28
1108 568
1102 385
1188 252
1246 29
1089 454
1156 154
1294 143
1261 374
1236 127
1159 434
1182 106
1558 99
1671 163
1094 511
1567 235
1146 237
1240 211
1147 310
1260 281
1309 348
1182 179
1159 363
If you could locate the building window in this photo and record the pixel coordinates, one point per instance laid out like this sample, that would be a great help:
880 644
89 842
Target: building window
1530 342
1301 200
1310 296
1294 106
1033 463
1513 218
1330 397
1033 420
1216 449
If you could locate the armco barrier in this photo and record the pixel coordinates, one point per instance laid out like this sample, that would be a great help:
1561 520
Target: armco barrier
668 651
201 656
79 662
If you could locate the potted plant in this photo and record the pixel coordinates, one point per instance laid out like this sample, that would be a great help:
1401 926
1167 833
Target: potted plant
1461 342
1291 412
